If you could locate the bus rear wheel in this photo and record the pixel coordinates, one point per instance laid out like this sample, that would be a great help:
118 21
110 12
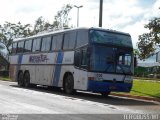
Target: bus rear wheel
69 84
20 79
26 79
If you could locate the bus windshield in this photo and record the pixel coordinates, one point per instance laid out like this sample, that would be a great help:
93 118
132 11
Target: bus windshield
110 38
111 60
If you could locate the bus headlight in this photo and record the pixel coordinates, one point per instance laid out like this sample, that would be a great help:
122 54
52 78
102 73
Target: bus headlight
128 81
99 79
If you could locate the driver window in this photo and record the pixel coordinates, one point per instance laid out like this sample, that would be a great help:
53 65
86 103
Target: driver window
120 60
124 60
128 60
80 58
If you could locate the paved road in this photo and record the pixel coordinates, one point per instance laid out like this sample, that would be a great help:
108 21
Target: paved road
40 100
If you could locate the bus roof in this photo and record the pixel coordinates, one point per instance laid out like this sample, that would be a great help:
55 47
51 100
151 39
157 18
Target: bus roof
65 30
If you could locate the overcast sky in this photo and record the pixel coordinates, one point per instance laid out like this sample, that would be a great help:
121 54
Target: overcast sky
122 15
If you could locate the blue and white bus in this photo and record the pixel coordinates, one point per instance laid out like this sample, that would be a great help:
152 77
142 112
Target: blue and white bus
88 59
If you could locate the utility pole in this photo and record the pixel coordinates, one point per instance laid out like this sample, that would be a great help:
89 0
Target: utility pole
78 14
100 13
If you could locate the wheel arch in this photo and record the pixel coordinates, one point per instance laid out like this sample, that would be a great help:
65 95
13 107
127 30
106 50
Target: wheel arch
26 71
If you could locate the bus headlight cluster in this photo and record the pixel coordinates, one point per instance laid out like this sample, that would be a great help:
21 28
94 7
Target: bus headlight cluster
128 81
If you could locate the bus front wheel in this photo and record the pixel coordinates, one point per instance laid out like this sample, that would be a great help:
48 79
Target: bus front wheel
20 79
69 84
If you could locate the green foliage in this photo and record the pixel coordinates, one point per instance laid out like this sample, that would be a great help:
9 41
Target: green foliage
5 78
61 19
10 31
148 42
140 71
41 25
136 52
146 88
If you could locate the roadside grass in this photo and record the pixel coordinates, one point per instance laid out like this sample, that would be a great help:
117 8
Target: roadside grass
146 88
145 78
5 78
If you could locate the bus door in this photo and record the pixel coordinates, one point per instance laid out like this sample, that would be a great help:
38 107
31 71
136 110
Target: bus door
81 68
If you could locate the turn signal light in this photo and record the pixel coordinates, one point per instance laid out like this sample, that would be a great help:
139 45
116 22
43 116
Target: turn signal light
91 78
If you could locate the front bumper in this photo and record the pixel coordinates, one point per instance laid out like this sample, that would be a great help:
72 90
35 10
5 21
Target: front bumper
105 86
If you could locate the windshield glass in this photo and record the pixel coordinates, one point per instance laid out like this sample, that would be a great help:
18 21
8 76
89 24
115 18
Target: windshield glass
110 38
112 60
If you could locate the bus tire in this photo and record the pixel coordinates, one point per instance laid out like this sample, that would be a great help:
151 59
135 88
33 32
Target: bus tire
69 84
105 94
27 79
20 79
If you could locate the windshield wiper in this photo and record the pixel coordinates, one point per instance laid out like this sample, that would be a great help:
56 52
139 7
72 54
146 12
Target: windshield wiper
121 68
124 71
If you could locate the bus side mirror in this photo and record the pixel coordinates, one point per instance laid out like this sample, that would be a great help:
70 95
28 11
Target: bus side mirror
135 61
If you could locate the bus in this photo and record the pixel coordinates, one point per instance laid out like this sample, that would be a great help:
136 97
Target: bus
87 59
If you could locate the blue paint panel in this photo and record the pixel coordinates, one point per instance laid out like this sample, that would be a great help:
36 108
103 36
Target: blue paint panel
58 68
20 59
60 57
99 86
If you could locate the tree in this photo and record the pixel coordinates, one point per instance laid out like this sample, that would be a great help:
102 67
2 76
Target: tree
41 25
10 31
149 42
61 19
136 52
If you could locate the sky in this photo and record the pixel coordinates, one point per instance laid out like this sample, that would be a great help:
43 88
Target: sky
122 15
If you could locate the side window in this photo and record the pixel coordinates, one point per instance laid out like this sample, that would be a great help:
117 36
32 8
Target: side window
128 60
54 42
125 59
20 47
46 43
28 46
57 42
84 58
77 58
14 48
82 38
80 58
36 44
69 40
